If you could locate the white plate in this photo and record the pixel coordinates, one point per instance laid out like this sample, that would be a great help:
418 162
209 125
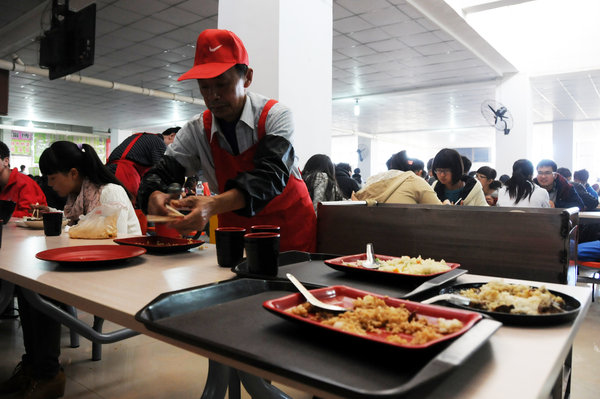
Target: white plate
36 224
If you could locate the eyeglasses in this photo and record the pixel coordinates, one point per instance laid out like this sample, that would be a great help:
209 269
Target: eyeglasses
442 171
546 173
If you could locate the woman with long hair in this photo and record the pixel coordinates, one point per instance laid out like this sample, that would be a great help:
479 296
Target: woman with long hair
452 185
319 176
520 190
76 172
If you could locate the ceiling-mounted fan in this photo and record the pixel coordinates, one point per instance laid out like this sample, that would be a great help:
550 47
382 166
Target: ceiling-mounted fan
497 115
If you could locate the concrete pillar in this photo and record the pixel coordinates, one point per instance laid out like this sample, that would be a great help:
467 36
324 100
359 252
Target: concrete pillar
562 138
291 60
515 94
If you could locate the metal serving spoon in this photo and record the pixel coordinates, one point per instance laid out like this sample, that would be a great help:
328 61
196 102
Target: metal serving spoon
369 263
452 298
311 298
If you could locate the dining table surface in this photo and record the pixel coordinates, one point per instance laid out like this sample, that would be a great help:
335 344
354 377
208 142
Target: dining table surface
517 361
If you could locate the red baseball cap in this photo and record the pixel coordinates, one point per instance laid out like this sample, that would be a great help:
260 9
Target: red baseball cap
217 50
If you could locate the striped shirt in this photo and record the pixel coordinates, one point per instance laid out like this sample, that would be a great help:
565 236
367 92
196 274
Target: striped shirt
147 151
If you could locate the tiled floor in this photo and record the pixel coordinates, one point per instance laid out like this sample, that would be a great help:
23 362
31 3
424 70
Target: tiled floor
142 367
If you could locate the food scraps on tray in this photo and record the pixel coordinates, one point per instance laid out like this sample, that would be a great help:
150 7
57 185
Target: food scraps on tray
497 296
407 265
371 315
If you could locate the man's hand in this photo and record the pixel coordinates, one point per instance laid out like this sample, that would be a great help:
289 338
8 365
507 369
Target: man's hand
552 204
202 208
157 202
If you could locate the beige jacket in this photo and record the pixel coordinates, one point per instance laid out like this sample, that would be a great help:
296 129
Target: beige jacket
398 187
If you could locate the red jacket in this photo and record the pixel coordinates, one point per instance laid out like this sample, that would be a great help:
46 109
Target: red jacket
23 190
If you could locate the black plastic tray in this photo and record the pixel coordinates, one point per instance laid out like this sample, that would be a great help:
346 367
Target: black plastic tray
228 319
310 268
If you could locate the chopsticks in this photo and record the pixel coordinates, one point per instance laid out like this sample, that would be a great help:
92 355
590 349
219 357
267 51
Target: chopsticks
173 215
173 210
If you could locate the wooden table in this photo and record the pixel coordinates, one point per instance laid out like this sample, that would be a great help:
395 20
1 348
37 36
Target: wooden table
517 362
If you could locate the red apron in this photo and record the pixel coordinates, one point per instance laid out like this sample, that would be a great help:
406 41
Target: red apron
292 210
128 172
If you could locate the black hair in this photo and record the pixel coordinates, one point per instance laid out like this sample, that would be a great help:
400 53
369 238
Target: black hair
448 158
504 178
62 156
466 164
520 184
356 170
398 161
547 162
564 172
242 69
581 175
4 151
429 163
171 130
319 163
488 172
416 165
343 166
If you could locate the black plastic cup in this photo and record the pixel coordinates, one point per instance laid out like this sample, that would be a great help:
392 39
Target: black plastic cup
6 210
262 253
265 228
52 223
230 245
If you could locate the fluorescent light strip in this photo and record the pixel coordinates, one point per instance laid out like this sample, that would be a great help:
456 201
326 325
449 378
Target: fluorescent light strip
594 85
547 100
573 98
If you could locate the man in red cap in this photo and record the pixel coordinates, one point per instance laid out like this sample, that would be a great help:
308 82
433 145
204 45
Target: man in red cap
242 144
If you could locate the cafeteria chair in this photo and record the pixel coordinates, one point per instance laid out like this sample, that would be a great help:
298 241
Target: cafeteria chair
593 279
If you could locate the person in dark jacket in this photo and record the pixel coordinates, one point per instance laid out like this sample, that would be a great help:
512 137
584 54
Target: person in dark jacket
562 193
345 181
356 176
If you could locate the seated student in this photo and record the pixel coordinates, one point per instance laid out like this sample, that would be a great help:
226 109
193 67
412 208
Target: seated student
78 174
581 177
589 201
18 187
486 176
399 185
344 180
521 191
452 184
417 166
564 172
562 194
319 176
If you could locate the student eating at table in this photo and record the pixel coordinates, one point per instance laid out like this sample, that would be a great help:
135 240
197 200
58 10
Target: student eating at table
18 187
242 144
77 173
452 184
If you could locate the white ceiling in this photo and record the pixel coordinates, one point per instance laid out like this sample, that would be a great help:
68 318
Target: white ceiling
411 74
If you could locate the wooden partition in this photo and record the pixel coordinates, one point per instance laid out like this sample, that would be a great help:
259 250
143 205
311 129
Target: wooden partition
524 243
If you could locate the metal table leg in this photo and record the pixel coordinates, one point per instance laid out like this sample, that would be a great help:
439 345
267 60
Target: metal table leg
74 323
221 376
216 381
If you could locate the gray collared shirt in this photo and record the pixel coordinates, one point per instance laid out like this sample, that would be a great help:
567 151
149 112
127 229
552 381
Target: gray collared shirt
192 149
